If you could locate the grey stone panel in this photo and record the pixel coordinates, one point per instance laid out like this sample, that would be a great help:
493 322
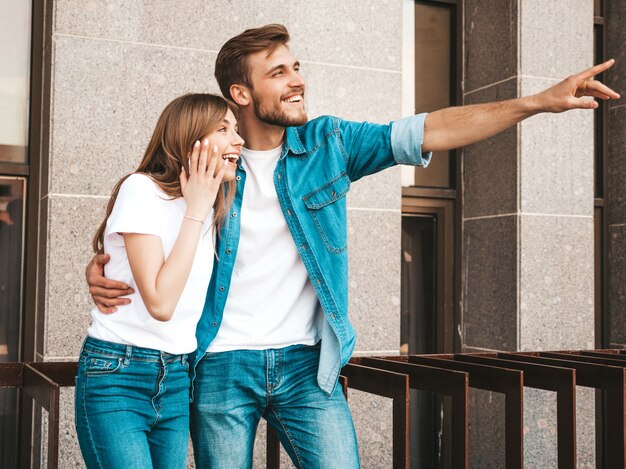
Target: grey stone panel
490 283
352 94
486 429
107 97
540 428
540 438
556 283
556 38
379 191
491 48
354 32
490 167
374 278
617 284
72 224
556 159
373 422
585 427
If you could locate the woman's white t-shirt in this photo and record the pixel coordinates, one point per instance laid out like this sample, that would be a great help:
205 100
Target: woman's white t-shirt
141 207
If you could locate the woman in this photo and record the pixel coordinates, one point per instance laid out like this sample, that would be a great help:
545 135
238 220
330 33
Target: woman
132 388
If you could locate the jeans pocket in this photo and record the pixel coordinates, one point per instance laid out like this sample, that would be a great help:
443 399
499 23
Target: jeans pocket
98 365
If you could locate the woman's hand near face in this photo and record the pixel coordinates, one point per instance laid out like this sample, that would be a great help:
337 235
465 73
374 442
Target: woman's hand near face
200 187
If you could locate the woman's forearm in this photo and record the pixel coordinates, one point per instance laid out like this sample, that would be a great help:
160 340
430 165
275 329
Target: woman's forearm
161 281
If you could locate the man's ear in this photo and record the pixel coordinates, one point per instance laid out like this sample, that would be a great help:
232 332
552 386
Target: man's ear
240 94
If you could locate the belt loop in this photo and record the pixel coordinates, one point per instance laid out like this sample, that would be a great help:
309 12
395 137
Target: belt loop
129 353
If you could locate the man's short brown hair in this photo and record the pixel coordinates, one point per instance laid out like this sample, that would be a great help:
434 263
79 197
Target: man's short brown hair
231 66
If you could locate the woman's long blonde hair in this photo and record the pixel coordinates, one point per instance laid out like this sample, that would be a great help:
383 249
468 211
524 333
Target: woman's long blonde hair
184 121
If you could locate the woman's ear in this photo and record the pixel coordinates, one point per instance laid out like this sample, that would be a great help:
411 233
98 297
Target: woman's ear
240 94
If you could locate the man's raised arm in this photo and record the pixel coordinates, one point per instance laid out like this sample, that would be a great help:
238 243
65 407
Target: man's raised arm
455 127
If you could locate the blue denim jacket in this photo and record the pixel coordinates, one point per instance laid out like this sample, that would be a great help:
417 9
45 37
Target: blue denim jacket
318 162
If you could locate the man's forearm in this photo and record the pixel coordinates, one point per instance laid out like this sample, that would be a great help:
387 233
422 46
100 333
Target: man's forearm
459 126
455 127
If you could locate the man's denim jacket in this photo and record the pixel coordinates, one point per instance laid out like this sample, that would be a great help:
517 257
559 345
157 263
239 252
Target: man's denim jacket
318 162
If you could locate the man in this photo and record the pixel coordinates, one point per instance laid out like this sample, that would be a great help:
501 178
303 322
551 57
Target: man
275 324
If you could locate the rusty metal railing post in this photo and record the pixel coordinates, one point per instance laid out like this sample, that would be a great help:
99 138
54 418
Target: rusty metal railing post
391 385
450 383
599 376
502 380
549 378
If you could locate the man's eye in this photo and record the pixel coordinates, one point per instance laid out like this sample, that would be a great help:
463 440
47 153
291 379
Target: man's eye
277 74
222 129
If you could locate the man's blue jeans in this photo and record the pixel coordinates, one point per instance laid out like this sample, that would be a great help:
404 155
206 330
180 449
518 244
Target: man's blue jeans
132 407
234 389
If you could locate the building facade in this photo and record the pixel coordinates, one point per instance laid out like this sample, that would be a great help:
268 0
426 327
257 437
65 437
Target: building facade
515 243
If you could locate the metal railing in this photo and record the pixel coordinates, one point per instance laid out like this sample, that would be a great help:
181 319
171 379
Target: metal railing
450 375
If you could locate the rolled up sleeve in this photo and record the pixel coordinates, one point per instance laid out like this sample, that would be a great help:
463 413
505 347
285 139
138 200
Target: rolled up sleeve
407 136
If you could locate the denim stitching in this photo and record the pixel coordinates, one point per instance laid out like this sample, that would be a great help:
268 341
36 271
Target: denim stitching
314 149
159 392
102 372
288 435
88 426
342 149
324 186
322 233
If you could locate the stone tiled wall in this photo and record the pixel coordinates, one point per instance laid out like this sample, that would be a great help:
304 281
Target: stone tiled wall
528 211
115 64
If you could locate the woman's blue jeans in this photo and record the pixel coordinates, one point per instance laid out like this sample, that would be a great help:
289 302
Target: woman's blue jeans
234 390
132 407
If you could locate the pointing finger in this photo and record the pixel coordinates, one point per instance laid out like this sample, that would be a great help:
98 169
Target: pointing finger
595 70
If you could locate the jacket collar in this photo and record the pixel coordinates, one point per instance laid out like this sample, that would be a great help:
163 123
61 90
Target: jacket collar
292 142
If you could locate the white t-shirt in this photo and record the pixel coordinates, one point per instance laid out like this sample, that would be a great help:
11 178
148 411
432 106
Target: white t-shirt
141 207
271 302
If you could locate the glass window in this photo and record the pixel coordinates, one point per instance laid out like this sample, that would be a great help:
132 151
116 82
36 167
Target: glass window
15 33
433 58
419 264
12 191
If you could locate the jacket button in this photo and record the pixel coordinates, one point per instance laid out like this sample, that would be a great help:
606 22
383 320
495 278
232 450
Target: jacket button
228 251
238 178
234 214
222 289
214 324
288 212
278 175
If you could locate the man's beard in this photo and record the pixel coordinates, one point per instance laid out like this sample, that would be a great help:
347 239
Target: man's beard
277 117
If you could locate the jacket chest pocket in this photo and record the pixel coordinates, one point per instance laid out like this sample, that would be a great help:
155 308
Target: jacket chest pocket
327 208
